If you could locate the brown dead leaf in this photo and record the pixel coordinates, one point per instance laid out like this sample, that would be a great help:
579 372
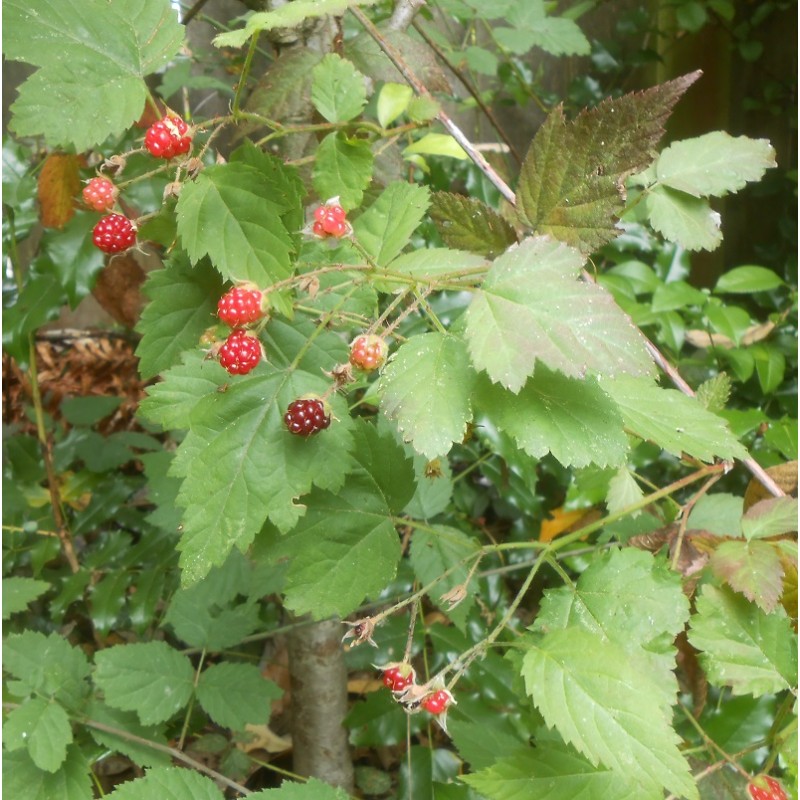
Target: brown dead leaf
703 339
785 475
264 738
59 182
118 289
755 333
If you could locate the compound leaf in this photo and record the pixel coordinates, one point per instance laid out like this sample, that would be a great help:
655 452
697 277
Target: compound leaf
426 389
572 419
532 307
688 221
93 57
572 180
741 646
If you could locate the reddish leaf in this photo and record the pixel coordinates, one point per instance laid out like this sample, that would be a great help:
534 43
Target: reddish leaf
58 184
753 568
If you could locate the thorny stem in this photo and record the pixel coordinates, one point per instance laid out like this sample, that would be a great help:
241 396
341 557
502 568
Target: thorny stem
709 742
687 509
245 74
431 314
411 624
413 81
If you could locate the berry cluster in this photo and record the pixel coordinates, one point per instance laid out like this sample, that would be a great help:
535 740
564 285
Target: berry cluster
763 787
167 138
240 306
401 679
307 416
330 220
100 194
368 352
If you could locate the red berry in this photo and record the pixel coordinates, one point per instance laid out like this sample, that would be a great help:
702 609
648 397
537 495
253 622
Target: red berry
395 680
100 194
240 352
168 138
437 702
320 213
330 220
307 416
337 213
763 787
368 352
319 229
114 233
240 306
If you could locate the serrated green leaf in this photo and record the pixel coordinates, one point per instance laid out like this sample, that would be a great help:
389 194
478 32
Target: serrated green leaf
150 678
468 224
170 401
745 280
18 592
423 108
434 551
623 491
393 100
532 308
93 57
334 566
604 705
236 694
751 568
555 772
312 789
183 303
672 420
285 88
531 27
713 394
23 780
243 467
288 16
431 265
571 180
343 169
337 89
741 646
43 728
227 213
719 513
770 517
127 722
683 219
570 418
714 164
47 665
385 228
770 367
211 628
174 783
425 388
437 144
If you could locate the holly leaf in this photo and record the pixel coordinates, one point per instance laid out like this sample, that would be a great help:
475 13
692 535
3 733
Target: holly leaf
466 223
385 228
43 728
532 307
679 217
333 567
753 569
425 388
606 706
343 169
174 783
771 517
93 57
715 164
183 304
236 694
150 678
572 180
741 646
242 466
554 771
337 89
436 550
675 422
231 214
570 418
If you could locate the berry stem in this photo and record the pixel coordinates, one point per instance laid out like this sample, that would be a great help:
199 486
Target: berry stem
411 624
426 307
710 743
190 707
245 73
686 511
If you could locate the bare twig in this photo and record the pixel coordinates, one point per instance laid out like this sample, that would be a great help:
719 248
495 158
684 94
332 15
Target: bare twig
403 14
405 70
687 509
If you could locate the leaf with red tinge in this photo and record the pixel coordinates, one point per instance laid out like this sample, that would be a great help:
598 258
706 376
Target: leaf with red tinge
571 183
752 568
58 184
466 223
770 518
